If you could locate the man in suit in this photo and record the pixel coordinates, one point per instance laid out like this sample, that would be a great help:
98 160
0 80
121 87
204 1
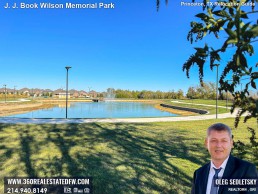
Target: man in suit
219 143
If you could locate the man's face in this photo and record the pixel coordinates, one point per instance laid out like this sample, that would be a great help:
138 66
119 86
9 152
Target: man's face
219 145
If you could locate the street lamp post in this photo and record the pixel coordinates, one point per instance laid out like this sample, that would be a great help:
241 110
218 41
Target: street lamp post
217 80
227 100
89 90
14 95
217 83
67 68
5 93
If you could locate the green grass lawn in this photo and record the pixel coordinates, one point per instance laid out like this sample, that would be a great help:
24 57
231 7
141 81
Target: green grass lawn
121 158
209 102
212 110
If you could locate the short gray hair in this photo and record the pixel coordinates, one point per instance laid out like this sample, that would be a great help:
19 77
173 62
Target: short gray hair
219 127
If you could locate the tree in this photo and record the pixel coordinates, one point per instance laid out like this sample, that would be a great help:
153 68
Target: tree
206 91
158 2
234 21
241 32
180 94
191 93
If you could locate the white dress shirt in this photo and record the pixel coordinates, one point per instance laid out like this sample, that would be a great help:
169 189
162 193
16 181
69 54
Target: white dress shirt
212 173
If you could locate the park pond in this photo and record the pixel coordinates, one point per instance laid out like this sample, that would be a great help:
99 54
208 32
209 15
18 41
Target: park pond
98 110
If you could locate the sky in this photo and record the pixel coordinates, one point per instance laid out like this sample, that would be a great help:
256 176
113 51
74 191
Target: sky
130 46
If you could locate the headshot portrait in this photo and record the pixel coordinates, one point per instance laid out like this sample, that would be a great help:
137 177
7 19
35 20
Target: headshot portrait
219 144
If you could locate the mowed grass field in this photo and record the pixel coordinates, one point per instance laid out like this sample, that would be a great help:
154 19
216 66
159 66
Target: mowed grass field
121 157
209 102
195 103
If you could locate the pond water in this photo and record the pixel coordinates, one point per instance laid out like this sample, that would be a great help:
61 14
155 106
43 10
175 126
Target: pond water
98 110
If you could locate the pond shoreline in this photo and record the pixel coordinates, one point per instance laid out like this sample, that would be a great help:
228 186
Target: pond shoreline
19 107
7 109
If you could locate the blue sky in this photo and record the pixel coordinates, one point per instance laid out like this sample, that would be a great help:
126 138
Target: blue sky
129 47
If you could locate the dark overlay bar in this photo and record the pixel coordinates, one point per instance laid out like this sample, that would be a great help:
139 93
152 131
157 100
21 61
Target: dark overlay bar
47 185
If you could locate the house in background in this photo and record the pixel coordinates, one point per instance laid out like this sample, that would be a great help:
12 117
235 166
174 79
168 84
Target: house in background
93 94
60 93
63 95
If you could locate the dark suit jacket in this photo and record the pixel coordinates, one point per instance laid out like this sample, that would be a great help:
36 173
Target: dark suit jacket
235 168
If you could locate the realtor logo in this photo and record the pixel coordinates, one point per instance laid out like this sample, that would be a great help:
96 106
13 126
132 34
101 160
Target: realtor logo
75 190
86 190
67 190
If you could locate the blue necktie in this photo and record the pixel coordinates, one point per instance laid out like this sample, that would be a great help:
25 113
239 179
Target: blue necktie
214 188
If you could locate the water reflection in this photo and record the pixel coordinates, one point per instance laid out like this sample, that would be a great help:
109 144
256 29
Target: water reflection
63 104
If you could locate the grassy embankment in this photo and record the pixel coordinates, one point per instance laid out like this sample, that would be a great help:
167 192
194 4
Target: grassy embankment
121 158
9 108
194 104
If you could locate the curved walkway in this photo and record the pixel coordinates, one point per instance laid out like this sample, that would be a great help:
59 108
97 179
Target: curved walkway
116 120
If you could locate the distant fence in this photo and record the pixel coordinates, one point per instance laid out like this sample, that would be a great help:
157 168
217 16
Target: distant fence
185 109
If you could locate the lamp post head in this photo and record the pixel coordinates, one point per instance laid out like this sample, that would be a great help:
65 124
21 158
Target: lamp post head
67 67
215 65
